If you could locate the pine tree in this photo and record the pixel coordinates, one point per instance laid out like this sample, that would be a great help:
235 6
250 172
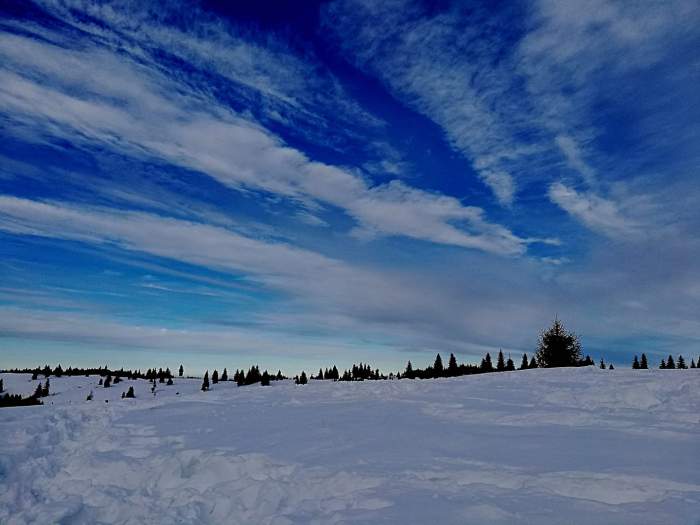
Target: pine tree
89 396
611 367
635 363
510 366
215 377
602 364
45 392
681 363
108 381
670 364
181 371
557 347
123 395
409 371
224 376
130 393
533 363
486 364
170 381
279 376
39 392
438 366
452 368
240 381
662 365
500 362
302 379
523 363
2 385
265 379
320 374
205 382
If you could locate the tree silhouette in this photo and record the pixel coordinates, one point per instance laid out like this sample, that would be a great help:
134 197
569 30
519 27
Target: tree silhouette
500 362
215 377
670 363
635 363
224 376
557 347
409 371
181 371
205 382
452 368
523 363
662 364
602 364
265 379
681 363
486 364
510 366
438 366
533 363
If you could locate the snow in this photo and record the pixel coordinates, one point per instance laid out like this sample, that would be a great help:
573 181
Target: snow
567 446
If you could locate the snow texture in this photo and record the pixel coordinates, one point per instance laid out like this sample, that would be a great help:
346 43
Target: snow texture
568 446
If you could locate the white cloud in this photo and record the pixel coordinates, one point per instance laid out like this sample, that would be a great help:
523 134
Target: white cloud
595 212
143 113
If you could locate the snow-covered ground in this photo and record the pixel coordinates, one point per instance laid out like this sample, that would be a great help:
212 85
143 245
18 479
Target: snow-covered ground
561 446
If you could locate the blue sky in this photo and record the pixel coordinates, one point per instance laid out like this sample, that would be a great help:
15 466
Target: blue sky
300 185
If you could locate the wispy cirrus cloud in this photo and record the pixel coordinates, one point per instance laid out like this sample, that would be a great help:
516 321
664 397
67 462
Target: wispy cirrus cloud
92 96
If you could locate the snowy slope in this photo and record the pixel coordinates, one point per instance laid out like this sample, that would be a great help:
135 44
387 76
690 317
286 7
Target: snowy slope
572 446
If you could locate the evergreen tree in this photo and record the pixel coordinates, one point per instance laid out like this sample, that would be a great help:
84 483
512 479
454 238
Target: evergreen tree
670 363
602 364
588 361
123 395
336 374
662 365
2 386
611 367
130 393
635 363
89 396
486 364
170 381
409 371
523 363
45 392
500 362
302 379
205 382
215 377
557 347
438 366
452 368
265 379
279 376
533 363
241 378
181 371
510 366
681 363
117 379
39 392
224 376
320 374
35 375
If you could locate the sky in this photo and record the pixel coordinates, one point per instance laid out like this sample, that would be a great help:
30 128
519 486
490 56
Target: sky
301 184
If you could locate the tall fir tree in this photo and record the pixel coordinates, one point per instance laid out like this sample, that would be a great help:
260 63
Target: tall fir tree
558 347
681 363
523 363
452 368
510 366
500 362
533 363
635 363
215 377
265 379
670 363
437 366
409 371
181 371
643 364
224 376
486 364
602 364
662 364
205 382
